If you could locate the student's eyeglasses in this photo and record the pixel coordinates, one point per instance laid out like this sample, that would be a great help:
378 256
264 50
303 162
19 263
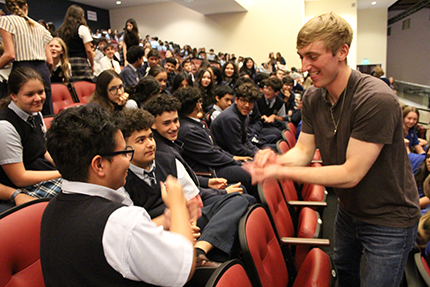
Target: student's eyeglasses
114 90
245 101
128 152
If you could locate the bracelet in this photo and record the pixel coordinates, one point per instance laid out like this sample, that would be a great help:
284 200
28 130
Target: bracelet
12 198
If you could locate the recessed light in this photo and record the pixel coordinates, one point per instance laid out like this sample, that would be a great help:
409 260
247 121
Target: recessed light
373 3
118 2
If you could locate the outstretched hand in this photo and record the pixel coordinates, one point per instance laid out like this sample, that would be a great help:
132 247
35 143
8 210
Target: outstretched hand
265 157
259 174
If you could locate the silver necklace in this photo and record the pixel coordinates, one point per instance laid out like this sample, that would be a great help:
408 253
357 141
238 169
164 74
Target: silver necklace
336 125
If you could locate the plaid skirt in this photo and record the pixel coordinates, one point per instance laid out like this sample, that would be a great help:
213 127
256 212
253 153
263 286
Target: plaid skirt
81 70
49 188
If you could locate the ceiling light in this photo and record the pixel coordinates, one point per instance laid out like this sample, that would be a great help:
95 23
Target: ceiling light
373 3
118 2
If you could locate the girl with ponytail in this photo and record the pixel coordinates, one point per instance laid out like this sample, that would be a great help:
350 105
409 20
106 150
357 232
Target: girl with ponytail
26 42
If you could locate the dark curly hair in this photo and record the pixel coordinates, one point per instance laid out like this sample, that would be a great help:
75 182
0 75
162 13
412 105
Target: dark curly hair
188 97
163 103
131 120
273 82
247 91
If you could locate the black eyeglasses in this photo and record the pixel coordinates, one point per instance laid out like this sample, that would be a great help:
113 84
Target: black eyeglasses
114 90
247 100
128 152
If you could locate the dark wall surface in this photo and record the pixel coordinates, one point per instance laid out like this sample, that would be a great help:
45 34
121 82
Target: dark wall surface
55 10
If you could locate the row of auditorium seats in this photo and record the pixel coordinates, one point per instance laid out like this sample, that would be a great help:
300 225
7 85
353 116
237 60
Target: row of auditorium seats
279 240
267 234
288 141
417 270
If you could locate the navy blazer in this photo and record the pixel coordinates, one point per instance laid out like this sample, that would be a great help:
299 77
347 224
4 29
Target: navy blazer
200 150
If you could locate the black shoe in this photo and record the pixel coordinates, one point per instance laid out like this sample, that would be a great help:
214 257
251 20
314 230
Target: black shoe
203 261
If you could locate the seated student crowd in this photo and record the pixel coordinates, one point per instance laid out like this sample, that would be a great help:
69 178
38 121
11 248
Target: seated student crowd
120 245
199 149
220 216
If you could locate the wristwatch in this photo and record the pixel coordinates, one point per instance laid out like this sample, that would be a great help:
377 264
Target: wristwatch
12 198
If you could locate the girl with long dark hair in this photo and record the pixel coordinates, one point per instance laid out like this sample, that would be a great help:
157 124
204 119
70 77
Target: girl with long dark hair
76 34
131 37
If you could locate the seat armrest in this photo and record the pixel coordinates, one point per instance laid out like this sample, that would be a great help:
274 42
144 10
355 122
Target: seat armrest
305 241
299 203
205 174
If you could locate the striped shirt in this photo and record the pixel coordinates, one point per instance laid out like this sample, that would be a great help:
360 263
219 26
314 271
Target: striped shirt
29 42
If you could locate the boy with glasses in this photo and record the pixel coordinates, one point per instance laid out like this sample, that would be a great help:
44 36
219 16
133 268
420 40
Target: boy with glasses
230 128
91 234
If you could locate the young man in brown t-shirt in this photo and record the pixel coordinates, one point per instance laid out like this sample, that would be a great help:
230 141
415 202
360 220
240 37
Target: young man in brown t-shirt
356 122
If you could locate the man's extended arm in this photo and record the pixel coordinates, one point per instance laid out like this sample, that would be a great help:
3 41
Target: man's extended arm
360 157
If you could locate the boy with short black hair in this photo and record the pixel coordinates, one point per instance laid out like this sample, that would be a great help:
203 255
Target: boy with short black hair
170 67
154 59
131 74
223 97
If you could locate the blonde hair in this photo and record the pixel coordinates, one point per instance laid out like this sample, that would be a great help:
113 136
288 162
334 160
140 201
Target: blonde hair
330 28
15 7
378 72
65 65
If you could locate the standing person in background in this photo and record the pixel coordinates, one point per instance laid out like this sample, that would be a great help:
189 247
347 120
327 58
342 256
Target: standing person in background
131 37
26 42
76 34
280 59
355 121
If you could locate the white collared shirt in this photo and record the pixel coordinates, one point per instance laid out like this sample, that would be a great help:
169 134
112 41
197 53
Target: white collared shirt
11 149
135 246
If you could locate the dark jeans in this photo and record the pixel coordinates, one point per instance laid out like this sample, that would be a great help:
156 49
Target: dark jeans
385 250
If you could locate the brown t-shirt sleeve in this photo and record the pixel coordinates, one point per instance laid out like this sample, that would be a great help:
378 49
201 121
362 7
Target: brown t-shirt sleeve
374 118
